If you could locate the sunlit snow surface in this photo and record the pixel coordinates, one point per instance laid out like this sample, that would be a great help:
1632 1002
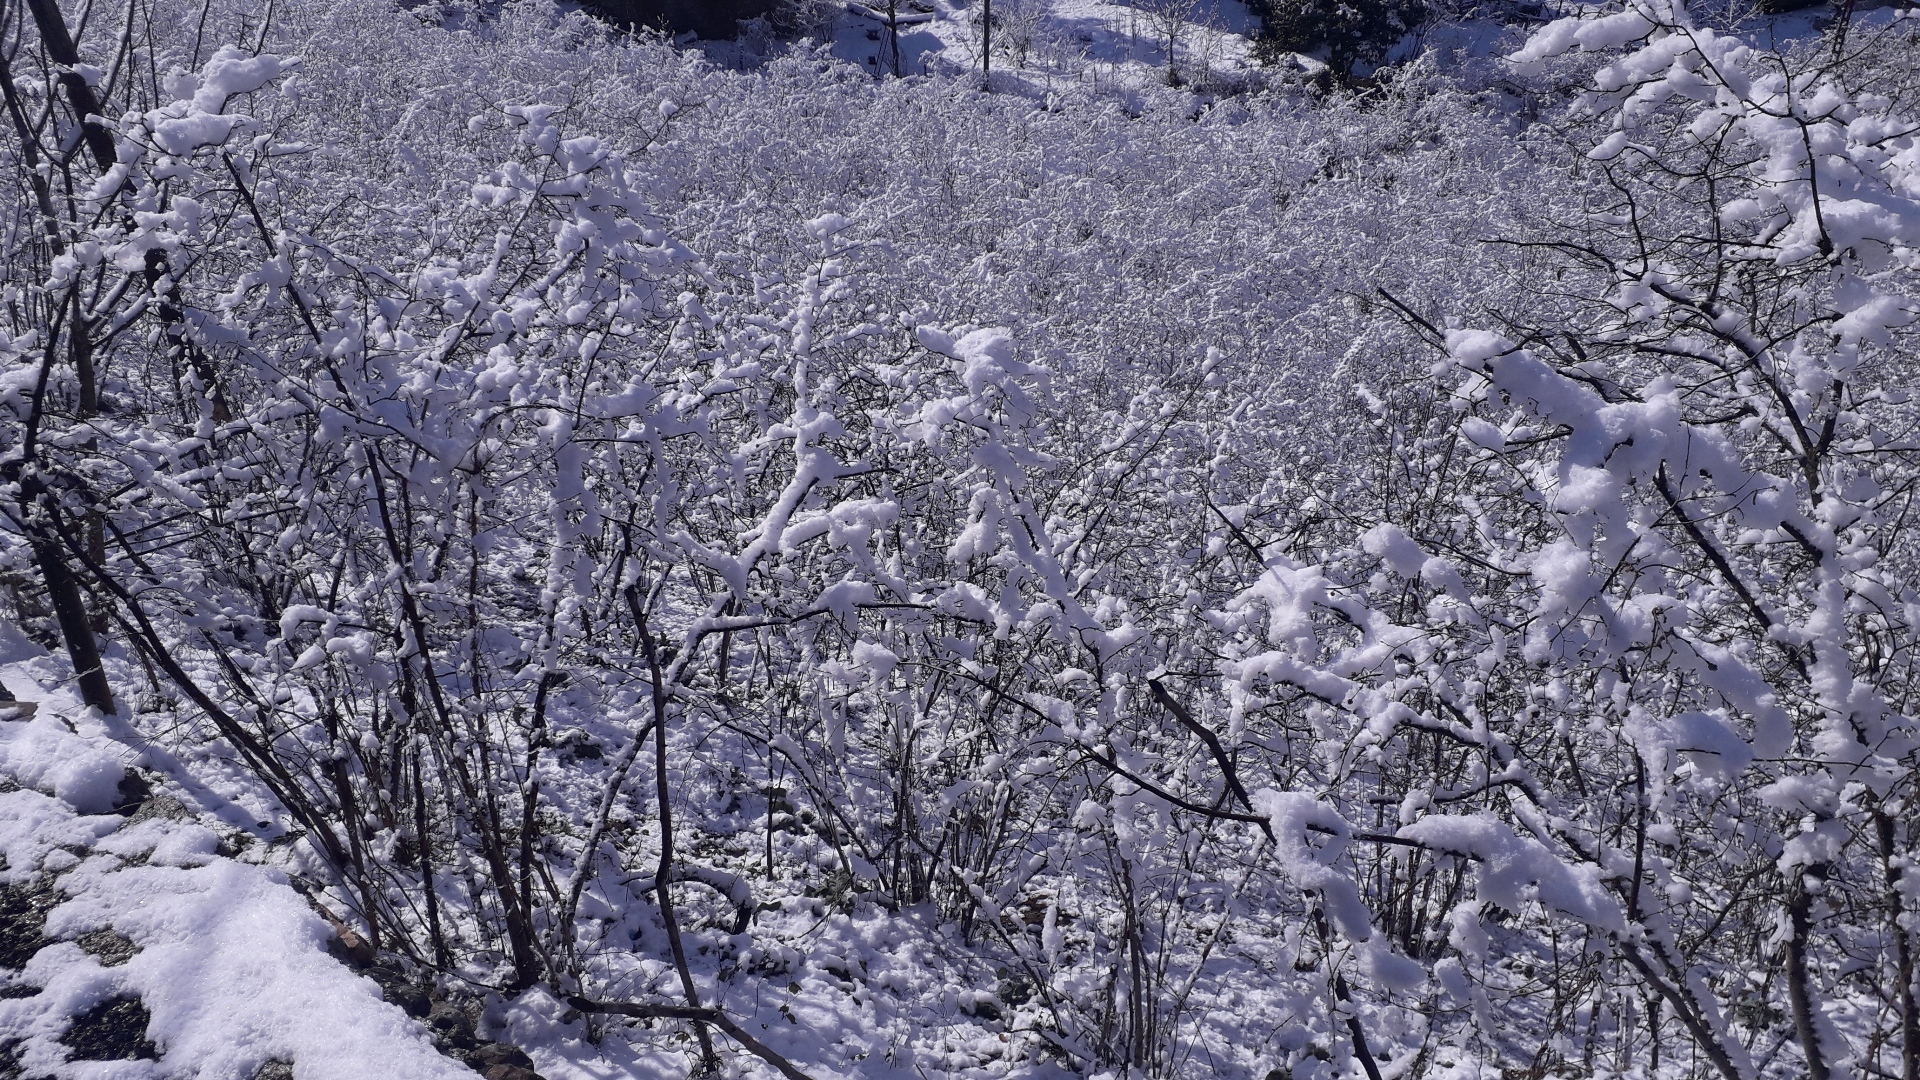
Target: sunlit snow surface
1040 43
231 963
1045 43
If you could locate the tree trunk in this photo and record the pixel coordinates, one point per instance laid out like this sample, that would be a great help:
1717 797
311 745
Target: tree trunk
1883 828
1806 1024
70 608
80 96
893 46
663 794
986 45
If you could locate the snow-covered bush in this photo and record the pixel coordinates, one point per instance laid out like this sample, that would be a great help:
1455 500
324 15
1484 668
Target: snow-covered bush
1085 583
1353 37
1640 597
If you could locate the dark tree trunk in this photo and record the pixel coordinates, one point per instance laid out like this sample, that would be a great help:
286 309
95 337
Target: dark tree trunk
86 104
986 45
893 34
70 608
1806 1022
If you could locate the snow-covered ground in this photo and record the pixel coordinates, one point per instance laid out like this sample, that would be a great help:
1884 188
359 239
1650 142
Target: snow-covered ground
150 927
1041 42
141 935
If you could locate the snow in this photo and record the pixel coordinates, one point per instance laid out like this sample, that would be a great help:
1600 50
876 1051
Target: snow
1295 816
1041 43
231 72
875 446
1509 869
196 117
1710 743
41 752
232 963
1605 31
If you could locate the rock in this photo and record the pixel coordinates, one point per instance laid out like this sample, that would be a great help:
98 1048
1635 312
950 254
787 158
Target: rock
23 923
133 793
452 1028
397 988
510 1072
110 947
232 844
162 807
488 1055
114 1030
348 947
275 1070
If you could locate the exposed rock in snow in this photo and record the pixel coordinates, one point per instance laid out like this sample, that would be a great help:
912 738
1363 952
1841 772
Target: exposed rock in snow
129 939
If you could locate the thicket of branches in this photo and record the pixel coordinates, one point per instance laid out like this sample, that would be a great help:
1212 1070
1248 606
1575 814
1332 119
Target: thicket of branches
1410 589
